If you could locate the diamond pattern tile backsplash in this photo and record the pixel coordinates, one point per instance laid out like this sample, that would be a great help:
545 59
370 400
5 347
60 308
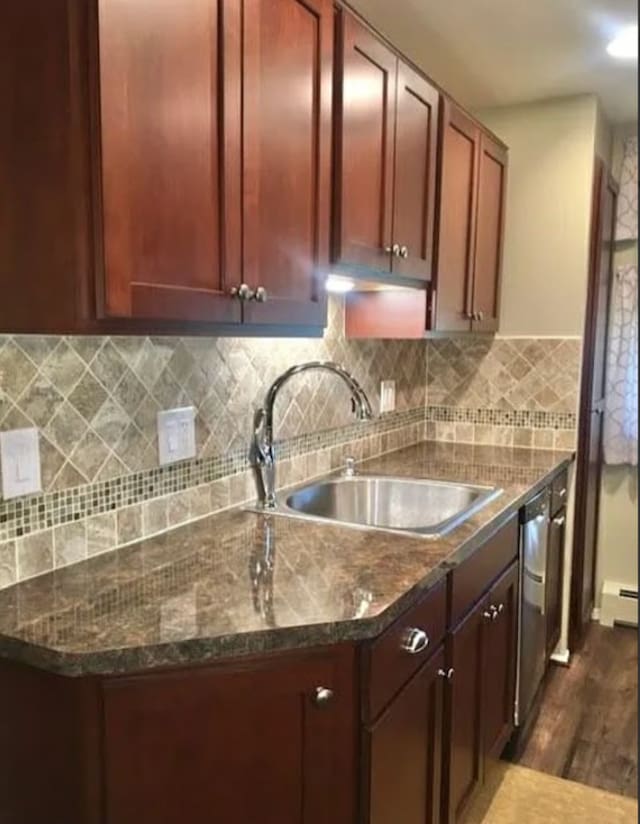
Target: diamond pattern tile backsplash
95 401
533 374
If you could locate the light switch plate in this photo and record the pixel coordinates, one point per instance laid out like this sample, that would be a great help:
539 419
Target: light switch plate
20 459
387 396
176 435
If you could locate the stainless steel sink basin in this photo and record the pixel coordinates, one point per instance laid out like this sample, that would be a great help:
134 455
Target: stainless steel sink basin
423 507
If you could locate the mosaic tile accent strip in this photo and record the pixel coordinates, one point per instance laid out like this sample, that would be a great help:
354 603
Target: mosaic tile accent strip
22 516
521 418
81 532
529 374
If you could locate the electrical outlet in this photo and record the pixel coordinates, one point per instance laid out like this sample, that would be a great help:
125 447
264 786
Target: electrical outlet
387 396
20 457
176 435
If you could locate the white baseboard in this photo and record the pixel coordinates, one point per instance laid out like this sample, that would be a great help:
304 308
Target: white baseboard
561 657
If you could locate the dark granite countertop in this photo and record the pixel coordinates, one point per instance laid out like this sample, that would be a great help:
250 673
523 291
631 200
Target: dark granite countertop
208 589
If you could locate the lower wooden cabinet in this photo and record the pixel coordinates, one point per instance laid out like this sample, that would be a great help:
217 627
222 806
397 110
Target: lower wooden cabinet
402 752
241 742
500 640
463 729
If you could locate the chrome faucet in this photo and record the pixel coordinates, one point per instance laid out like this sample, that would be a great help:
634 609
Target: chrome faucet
263 448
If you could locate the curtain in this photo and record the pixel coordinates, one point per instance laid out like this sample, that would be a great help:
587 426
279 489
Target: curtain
621 409
627 217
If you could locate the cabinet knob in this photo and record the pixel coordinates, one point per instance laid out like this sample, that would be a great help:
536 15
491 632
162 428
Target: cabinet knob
404 252
243 292
415 640
322 696
260 295
490 614
392 250
448 673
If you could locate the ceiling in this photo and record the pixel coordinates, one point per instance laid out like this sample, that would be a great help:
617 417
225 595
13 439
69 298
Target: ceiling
500 52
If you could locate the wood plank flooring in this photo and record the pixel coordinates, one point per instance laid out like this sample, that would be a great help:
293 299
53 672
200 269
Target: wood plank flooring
587 730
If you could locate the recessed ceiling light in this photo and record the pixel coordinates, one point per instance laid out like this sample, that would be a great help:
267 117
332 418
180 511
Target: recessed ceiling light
339 285
625 44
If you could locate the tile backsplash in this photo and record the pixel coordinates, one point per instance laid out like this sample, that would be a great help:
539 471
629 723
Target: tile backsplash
95 400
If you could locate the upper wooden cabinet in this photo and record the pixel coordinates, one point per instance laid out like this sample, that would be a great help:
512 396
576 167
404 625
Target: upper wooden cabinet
386 139
182 149
162 150
286 161
216 140
471 226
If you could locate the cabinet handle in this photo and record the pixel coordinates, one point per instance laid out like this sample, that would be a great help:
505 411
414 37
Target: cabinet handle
260 295
404 252
415 641
243 292
562 493
392 250
559 521
322 696
448 674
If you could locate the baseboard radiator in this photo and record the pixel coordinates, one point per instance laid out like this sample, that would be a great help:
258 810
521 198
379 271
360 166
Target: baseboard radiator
619 605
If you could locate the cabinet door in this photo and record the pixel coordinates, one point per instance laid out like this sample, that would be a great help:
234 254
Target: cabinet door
500 651
287 99
463 729
555 575
416 149
458 196
161 120
404 751
235 744
365 131
492 180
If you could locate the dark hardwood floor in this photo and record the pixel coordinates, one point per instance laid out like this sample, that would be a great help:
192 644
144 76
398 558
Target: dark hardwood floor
587 730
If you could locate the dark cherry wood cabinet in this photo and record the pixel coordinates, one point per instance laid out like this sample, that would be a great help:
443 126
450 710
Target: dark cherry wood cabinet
456 235
286 163
471 226
386 142
403 752
416 154
244 741
183 150
270 739
500 654
481 667
463 735
161 88
492 183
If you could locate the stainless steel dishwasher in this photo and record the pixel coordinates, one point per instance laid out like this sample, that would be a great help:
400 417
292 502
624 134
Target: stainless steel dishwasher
532 631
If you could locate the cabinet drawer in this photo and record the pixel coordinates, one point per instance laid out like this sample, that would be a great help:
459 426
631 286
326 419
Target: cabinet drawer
477 573
559 492
388 662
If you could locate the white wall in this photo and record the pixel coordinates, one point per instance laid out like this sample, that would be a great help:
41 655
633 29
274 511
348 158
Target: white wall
551 149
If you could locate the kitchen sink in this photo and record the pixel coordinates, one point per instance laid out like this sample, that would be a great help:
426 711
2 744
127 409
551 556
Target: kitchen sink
422 507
